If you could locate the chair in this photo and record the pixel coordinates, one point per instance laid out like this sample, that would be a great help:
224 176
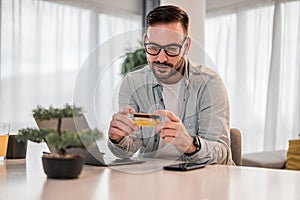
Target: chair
236 146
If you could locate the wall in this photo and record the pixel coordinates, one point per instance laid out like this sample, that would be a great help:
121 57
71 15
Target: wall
213 7
196 12
111 6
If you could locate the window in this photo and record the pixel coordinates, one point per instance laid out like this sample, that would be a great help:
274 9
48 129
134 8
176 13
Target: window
43 46
256 51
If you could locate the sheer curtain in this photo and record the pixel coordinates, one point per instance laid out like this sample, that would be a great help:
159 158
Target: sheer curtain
256 52
43 45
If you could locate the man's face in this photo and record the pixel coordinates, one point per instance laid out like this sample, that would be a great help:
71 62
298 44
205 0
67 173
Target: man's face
169 39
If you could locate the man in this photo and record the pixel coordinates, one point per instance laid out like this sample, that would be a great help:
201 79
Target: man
192 99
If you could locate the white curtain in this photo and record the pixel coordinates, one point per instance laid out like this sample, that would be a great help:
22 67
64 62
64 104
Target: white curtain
43 46
256 51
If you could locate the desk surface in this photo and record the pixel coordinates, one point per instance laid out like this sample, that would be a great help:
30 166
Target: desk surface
25 179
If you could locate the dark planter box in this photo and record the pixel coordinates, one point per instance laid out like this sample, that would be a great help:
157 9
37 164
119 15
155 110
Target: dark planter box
15 149
62 168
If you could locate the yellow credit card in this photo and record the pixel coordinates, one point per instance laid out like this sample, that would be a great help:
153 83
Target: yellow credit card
142 119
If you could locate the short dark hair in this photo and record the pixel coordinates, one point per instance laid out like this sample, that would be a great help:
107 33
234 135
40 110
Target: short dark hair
168 14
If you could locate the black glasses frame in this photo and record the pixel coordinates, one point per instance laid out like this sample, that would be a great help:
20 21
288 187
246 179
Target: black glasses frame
164 47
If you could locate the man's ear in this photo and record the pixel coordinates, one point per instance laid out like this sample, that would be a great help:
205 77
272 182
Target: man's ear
144 37
187 45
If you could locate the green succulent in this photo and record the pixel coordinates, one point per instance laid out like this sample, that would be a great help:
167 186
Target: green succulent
60 139
67 139
32 134
41 113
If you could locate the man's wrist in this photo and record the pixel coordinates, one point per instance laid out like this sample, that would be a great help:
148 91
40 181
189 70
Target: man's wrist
116 141
194 147
191 148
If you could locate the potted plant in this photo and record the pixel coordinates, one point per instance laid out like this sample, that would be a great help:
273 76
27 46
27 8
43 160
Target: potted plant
134 60
59 137
16 149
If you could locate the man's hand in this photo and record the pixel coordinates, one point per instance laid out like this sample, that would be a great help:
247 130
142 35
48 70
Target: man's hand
174 132
121 125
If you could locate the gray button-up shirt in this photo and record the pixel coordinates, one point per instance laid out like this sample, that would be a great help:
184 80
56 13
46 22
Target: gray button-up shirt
204 111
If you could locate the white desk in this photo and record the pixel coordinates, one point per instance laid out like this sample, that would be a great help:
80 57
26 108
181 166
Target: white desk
26 180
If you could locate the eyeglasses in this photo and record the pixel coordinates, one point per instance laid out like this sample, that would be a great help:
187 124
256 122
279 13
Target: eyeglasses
171 50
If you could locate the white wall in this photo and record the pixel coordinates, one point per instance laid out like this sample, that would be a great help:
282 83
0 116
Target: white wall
107 6
215 6
196 12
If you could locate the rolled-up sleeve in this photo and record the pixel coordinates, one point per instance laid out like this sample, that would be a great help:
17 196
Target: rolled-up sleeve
213 123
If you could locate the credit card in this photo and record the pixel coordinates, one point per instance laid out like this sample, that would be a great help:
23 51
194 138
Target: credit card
142 119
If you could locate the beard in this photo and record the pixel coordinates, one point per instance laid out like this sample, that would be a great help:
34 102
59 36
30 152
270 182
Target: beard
166 72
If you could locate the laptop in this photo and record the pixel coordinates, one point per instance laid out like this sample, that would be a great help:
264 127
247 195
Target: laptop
92 156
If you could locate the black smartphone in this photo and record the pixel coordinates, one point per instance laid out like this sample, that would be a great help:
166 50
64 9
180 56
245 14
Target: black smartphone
184 166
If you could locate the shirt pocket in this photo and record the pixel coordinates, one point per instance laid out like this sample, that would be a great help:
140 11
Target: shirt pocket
191 124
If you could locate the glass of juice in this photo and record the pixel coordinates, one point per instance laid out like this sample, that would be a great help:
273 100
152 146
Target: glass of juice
4 131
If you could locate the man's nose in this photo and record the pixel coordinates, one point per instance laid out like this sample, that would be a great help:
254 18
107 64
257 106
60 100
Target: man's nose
162 56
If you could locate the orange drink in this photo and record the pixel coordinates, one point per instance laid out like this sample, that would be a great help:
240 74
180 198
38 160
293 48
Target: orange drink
3 145
4 130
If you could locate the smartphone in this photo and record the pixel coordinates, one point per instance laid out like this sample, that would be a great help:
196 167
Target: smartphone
184 166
